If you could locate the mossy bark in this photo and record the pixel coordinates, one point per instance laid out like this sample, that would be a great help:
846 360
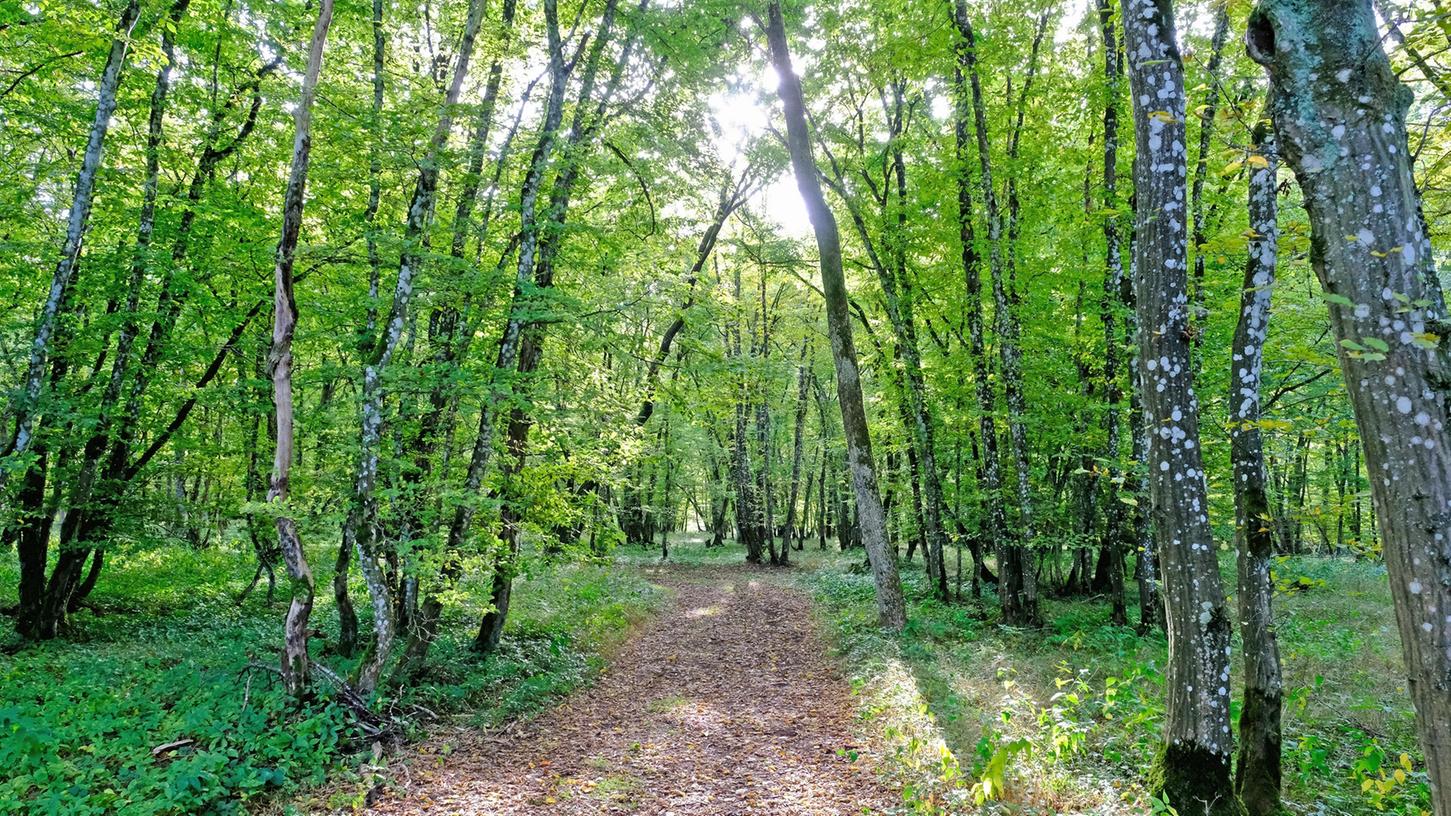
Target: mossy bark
1194 781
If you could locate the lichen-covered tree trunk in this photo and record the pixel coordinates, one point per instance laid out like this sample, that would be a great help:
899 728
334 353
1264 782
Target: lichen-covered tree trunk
360 528
41 347
295 664
1339 113
34 535
1257 777
589 116
890 607
1193 773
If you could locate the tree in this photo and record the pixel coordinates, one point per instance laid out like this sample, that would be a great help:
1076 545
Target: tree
843 350
1194 769
1257 777
295 662
1340 121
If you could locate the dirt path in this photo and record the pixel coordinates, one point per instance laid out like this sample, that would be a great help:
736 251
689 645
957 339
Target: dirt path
723 704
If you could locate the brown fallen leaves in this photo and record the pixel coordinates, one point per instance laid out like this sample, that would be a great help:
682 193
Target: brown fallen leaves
724 704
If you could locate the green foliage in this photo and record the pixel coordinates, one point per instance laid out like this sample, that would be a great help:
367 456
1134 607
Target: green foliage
81 722
1074 715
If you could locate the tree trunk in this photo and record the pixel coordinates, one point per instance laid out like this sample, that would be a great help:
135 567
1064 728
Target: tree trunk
295 664
1339 114
1206 113
1258 773
34 536
77 222
992 527
1117 532
1017 586
890 606
588 115
1193 772
803 377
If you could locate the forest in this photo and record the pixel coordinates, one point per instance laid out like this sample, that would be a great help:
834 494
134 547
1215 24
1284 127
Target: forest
725 407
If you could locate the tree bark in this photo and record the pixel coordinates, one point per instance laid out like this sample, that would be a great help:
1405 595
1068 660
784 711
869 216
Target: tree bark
1193 772
295 663
1257 776
1117 532
1017 588
890 607
1339 115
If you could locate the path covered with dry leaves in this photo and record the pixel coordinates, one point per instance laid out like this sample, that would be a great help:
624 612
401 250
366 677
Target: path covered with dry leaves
725 703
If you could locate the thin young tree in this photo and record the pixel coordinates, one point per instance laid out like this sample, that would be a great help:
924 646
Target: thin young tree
295 663
870 517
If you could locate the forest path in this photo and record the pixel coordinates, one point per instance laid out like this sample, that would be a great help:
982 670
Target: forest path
725 703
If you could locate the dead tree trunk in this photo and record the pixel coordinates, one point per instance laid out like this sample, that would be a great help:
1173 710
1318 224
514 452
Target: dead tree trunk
1193 772
890 607
1339 113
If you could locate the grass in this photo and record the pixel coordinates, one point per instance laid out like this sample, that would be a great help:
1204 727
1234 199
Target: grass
980 717
969 716
168 660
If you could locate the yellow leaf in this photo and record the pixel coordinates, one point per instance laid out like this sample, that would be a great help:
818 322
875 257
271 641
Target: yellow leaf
1256 160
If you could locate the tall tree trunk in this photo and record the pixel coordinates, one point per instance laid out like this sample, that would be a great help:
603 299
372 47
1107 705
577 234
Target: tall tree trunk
890 606
1018 588
34 535
295 664
803 377
589 114
1258 774
1339 114
359 531
992 525
1118 531
77 222
1193 772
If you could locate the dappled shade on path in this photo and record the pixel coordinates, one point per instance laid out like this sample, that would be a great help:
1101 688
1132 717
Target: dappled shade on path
723 704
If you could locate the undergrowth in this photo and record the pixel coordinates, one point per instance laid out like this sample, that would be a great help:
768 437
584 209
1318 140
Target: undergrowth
975 717
85 721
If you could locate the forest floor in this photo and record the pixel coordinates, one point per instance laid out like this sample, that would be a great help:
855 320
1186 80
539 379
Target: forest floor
723 703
